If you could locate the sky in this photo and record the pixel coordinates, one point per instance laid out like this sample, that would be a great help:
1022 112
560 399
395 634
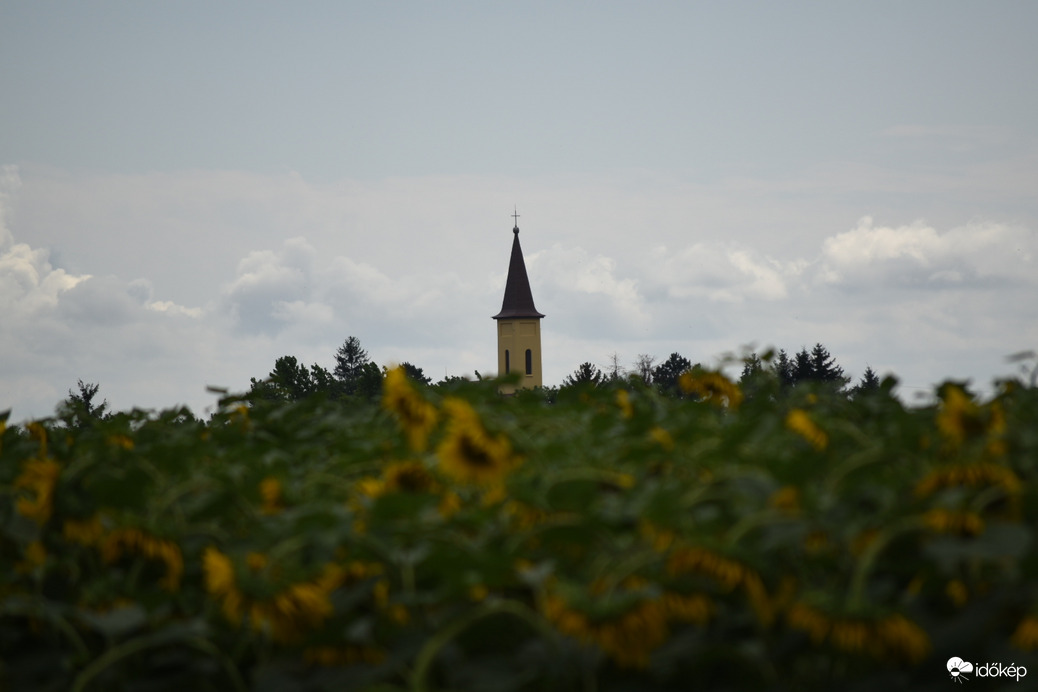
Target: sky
190 190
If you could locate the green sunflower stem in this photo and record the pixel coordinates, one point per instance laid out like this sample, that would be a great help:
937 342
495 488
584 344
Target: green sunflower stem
752 521
127 649
426 657
856 596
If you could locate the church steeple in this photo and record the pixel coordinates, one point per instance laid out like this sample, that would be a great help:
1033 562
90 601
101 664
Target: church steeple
518 301
519 323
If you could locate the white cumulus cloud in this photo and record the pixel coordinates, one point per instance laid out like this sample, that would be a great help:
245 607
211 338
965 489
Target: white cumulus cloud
719 273
919 256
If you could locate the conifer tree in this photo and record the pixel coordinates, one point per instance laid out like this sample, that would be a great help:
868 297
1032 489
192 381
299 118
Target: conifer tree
351 363
783 368
869 383
665 375
586 373
803 367
824 367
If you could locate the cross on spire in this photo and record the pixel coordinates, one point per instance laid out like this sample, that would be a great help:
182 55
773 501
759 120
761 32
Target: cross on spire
515 215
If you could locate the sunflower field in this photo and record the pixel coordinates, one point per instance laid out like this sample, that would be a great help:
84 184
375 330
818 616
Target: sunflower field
454 539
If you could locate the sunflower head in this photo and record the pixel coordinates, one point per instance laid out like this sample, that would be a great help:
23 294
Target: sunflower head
711 386
416 415
468 453
408 477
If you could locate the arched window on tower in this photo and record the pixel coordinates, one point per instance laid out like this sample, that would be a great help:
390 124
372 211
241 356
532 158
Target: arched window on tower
508 368
529 362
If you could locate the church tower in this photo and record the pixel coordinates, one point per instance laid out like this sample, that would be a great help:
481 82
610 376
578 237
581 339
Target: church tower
519 324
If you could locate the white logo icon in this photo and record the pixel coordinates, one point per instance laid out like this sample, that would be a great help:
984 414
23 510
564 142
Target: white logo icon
958 668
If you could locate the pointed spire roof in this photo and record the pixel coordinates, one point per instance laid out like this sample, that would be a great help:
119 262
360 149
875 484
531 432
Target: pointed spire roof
518 300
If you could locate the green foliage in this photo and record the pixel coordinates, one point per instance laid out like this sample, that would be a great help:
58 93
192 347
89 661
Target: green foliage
351 363
869 383
79 409
815 367
416 374
665 375
620 540
585 374
292 381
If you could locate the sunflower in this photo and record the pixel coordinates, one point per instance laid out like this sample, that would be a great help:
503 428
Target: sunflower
83 531
416 415
138 542
711 386
729 574
693 608
891 637
270 494
662 438
958 417
982 474
799 422
286 615
623 400
408 477
470 454
1026 635
958 523
786 500
38 477
628 638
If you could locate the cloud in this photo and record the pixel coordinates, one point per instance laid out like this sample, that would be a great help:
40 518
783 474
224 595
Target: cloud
59 326
100 302
592 297
28 282
266 281
296 290
917 256
719 273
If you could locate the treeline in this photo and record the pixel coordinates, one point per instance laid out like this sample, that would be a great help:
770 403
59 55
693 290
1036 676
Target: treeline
354 376
356 380
760 371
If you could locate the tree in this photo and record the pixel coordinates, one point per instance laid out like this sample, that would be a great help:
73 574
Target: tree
324 381
586 373
755 377
415 374
752 366
803 367
368 384
783 368
643 367
351 363
868 384
79 409
290 380
817 365
613 371
824 367
665 375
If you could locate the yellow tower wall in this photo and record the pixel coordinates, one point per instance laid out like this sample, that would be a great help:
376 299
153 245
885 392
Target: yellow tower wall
514 338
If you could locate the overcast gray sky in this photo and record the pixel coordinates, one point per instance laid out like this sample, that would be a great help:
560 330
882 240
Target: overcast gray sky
190 190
